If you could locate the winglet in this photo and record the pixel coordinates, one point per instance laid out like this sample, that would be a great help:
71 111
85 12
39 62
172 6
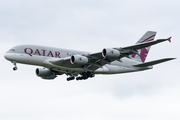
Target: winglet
169 39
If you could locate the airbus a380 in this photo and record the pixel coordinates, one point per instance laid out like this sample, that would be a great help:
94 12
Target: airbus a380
84 65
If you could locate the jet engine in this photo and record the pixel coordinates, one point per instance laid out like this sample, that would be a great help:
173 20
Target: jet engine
79 59
45 73
111 53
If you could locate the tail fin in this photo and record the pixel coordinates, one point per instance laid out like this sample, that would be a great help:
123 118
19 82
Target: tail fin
148 36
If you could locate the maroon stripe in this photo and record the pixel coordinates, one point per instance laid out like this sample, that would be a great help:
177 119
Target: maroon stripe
148 39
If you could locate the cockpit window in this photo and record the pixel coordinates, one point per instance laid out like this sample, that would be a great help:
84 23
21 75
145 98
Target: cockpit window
12 50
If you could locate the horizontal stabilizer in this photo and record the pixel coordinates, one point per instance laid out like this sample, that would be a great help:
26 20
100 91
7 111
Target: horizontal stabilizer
153 62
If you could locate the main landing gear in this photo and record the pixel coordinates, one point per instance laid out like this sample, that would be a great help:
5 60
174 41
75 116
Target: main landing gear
70 78
84 76
15 66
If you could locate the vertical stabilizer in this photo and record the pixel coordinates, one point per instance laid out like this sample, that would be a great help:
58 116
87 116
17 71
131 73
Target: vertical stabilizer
148 36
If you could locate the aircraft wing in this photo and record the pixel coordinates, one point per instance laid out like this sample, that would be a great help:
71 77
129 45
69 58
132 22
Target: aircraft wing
124 51
64 62
99 59
97 55
95 61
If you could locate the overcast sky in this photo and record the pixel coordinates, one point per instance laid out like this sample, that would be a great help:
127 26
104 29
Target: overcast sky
90 25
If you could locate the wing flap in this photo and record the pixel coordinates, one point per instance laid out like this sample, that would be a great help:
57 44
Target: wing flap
153 62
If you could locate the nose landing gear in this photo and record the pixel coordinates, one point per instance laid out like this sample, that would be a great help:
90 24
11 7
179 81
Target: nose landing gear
14 63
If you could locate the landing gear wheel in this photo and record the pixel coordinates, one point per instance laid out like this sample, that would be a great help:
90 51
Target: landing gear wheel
15 68
70 78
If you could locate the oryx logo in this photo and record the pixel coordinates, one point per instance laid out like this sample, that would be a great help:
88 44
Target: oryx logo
144 51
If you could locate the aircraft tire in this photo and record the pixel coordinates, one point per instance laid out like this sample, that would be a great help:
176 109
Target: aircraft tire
15 68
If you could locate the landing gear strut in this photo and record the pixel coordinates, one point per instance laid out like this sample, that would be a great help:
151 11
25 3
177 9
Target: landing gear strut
14 63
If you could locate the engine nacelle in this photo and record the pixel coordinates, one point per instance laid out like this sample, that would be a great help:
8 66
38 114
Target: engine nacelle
45 73
79 59
111 53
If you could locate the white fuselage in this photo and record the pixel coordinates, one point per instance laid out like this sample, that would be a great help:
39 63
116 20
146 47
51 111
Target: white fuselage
40 56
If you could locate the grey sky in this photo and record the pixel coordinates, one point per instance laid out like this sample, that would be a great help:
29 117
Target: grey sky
90 25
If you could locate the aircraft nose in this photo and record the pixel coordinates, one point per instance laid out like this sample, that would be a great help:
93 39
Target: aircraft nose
7 56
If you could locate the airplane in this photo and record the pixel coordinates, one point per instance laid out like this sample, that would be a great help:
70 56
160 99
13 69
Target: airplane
83 65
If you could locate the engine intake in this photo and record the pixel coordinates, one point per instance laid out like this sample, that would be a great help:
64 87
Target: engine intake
79 59
109 52
45 73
